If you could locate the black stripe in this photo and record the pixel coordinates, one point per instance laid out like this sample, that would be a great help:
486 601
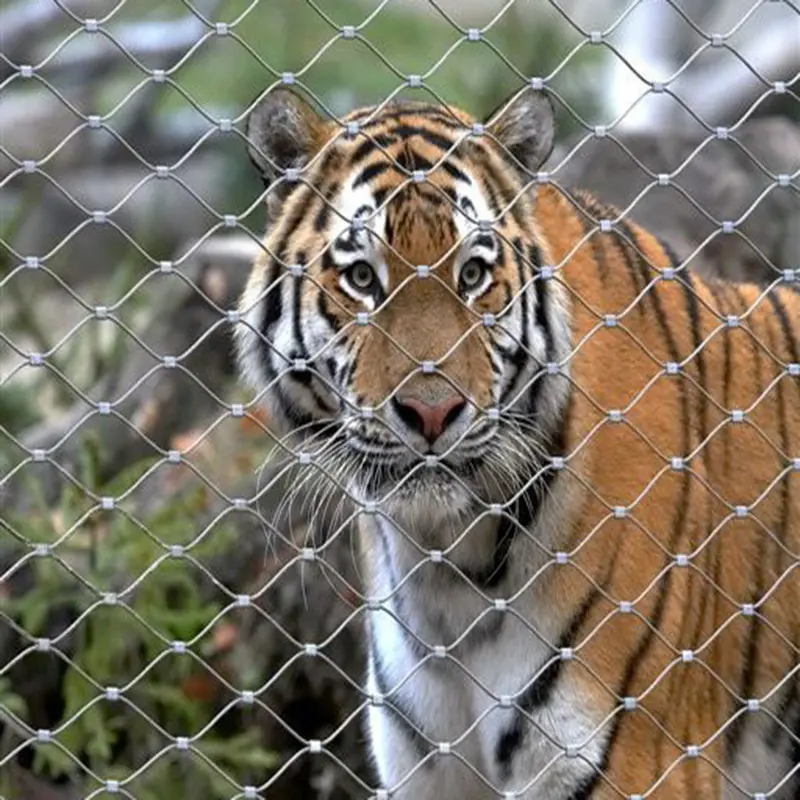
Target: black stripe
409 160
300 351
330 163
299 211
408 724
342 374
468 207
496 182
542 319
593 213
324 311
323 214
717 289
396 592
450 193
710 520
273 300
379 195
588 222
351 361
656 617
371 172
789 333
540 690
783 422
494 200
637 265
346 243
787 724
370 146
705 597
793 346
389 226
674 261
686 282
431 195
398 117
736 730
491 576
522 353
296 416
453 171
741 309
484 240
330 366
405 131
599 252
297 317
273 308
328 263
521 516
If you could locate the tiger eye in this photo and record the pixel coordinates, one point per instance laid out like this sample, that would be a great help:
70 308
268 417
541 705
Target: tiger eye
361 275
472 274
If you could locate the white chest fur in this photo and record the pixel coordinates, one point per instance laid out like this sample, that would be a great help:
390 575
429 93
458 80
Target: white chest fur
453 669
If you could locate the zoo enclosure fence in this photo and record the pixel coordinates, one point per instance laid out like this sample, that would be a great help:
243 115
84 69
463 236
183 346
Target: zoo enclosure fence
153 642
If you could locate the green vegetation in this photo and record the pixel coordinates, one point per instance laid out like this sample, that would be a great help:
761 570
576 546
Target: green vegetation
126 643
267 39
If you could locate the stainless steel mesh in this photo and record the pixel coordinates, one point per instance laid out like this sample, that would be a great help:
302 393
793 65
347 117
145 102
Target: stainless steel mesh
167 625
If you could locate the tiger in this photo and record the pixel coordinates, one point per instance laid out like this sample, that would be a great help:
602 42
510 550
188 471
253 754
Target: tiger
573 460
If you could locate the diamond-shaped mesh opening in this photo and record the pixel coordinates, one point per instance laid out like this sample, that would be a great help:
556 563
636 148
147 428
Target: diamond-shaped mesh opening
456 483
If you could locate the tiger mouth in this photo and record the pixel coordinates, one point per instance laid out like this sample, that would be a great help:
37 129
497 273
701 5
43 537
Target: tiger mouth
377 469
380 477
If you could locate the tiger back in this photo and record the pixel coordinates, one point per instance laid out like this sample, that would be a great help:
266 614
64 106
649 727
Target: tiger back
577 463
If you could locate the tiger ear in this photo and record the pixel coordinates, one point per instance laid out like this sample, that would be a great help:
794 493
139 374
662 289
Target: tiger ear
283 132
524 125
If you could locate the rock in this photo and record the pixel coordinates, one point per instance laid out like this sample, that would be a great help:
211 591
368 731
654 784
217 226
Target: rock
711 181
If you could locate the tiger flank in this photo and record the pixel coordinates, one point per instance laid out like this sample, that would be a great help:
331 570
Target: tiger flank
577 464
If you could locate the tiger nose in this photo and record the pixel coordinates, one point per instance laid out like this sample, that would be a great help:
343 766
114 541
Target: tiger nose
429 420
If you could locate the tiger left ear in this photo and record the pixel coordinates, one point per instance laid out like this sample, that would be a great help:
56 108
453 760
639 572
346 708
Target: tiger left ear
524 125
283 132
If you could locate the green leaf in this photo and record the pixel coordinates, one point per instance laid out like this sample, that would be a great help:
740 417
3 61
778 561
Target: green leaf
10 702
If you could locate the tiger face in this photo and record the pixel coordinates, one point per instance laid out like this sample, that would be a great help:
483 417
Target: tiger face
397 321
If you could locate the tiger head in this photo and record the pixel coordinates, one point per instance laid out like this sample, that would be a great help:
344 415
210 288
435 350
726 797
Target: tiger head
395 321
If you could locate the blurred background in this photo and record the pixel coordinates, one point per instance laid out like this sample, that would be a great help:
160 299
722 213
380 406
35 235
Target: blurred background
133 517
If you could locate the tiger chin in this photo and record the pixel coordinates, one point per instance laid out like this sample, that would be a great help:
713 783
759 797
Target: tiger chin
577 464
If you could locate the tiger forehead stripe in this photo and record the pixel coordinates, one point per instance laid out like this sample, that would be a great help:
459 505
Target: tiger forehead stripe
452 157
409 161
406 136
453 146
408 126
415 111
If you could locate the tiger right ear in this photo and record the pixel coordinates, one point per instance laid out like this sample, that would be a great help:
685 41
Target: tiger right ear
524 126
283 132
